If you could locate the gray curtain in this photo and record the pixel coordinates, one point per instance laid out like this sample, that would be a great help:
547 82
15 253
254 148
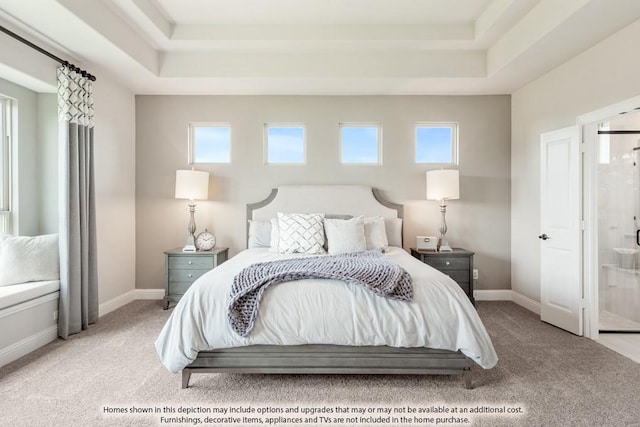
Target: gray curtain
78 268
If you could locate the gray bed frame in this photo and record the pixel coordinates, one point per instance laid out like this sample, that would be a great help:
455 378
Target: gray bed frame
330 359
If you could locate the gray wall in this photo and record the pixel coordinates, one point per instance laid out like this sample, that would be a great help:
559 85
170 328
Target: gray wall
479 221
601 76
114 135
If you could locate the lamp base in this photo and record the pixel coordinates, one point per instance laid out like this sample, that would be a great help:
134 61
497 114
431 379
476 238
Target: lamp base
444 245
190 246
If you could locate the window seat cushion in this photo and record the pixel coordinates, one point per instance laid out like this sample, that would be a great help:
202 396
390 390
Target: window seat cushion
16 294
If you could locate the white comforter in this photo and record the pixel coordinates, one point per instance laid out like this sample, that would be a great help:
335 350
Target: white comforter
326 312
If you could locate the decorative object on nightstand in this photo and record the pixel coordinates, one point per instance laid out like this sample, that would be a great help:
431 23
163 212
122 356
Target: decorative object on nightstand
206 240
192 185
457 264
183 268
426 243
443 185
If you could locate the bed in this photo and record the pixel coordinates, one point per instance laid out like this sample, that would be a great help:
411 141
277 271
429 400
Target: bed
327 326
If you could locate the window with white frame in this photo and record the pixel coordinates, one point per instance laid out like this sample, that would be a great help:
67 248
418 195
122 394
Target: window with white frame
361 143
437 143
209 143
284 144
6 110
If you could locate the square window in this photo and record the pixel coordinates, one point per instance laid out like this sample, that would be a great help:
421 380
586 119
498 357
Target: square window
284 144
361 143
209 143
436 143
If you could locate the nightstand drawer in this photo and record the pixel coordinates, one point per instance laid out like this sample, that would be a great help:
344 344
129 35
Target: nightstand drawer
179 288
448 263
185 275
190 262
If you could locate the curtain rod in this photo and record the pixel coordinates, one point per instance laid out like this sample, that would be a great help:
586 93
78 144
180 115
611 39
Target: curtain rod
47 53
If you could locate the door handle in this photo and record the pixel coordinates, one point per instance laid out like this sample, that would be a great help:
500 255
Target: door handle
638 237
543 236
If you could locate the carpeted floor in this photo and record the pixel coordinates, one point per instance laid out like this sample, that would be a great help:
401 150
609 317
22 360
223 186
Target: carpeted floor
556 378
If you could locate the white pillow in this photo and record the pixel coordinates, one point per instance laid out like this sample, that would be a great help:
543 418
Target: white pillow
301 233
259 234
375 233
29 259
344 236
275 235
394 231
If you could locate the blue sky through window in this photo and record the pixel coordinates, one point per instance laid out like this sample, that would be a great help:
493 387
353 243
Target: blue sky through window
434 144
211 144
285 144
359 144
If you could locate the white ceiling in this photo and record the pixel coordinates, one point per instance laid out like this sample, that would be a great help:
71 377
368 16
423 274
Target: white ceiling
321 46
321 11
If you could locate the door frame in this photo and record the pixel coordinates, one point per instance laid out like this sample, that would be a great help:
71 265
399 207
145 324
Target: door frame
589 144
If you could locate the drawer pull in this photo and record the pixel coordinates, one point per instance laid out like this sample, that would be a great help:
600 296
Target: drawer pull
190 262
190 275
447 263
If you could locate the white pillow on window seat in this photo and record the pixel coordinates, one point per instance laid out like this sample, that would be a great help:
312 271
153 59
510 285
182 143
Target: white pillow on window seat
29 259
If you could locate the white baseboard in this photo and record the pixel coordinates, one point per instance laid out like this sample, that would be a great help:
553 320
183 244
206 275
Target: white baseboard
126 298
149 293
115 303
492 295
507 295
27 345
526 302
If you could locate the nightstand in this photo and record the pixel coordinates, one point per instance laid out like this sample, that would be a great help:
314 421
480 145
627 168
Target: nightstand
457 264
183 268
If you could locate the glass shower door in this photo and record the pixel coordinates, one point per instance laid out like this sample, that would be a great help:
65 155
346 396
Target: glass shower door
619 229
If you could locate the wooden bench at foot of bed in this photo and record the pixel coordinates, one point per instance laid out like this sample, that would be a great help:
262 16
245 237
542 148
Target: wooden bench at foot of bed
331 359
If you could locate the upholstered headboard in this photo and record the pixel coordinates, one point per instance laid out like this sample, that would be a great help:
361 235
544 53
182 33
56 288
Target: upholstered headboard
351 200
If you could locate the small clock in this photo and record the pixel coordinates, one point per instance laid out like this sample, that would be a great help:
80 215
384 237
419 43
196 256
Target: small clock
205 240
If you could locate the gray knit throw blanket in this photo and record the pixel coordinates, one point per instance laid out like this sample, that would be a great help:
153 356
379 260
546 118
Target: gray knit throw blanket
370 269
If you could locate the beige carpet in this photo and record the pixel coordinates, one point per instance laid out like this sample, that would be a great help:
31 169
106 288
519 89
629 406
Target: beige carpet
558 379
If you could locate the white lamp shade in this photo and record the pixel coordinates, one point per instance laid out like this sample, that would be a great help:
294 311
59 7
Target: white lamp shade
192 185
443 184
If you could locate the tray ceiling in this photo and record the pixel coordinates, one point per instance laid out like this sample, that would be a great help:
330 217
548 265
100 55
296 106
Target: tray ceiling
321 46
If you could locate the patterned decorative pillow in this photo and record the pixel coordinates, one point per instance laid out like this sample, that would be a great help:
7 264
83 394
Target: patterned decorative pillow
301 233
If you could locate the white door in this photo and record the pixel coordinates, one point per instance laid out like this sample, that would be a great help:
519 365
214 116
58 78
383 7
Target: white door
560 234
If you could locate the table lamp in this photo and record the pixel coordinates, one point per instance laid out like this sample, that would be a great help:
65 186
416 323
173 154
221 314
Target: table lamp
192 185
443 185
